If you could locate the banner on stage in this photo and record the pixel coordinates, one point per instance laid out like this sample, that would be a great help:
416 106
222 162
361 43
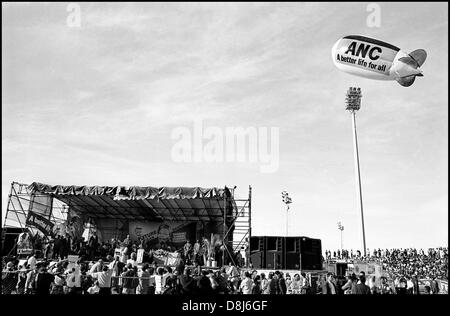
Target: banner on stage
40 222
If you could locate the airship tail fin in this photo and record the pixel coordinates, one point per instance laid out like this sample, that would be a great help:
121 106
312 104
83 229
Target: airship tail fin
406 81
415 58
419 55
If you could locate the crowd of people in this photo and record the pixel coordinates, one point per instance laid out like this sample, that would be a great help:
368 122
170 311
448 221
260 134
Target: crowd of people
402 263
117 277
100 270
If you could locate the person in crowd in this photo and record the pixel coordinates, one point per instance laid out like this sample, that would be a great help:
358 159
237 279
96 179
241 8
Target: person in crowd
384 287
86 280
30 283
295 286
97 267
117 267
144 280
306 286
348 287
214 284
434 286
264 284
95 288
257 285
281 282
59 281
329 287
371 283
160 281
401 287
288 283
204 284
103 280
151 281
73 281
274 287
132 260
361 288
128 276
32 260
222 280
186 281
233 275
415 282
21 279
340 281
409 285
246 285
43 281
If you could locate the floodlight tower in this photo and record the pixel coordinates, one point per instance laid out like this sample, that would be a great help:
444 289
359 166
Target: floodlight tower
286 200
353 101
341 228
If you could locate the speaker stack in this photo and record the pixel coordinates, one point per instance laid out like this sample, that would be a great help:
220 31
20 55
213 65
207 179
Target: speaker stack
258 252
291 253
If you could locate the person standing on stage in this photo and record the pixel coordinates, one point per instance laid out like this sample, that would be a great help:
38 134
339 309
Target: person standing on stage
93 244
196 251
187 249
205 250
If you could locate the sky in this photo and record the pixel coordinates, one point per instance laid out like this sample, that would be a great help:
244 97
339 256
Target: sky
97 105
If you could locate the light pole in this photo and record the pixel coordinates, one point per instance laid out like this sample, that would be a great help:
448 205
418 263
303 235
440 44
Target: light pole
286 200
353 101
341 228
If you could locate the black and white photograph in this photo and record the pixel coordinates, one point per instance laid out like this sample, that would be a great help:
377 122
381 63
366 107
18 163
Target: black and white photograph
238 150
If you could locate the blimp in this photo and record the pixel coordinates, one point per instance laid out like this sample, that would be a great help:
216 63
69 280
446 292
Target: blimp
375 59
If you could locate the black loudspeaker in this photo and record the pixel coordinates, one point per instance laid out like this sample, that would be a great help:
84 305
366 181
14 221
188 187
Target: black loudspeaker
258 259
311 254
258 252
292 253
275 252
257 244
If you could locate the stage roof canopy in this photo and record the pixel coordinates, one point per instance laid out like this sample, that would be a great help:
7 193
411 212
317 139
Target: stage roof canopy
143 203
